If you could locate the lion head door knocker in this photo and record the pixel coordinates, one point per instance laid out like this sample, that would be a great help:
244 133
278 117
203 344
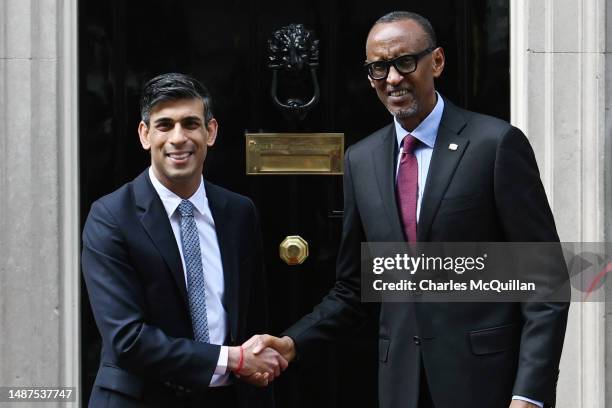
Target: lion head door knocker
294 55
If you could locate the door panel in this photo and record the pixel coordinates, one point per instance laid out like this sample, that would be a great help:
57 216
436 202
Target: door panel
224 44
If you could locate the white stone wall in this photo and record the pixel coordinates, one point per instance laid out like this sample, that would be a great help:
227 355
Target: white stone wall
38 194
559 98
608 192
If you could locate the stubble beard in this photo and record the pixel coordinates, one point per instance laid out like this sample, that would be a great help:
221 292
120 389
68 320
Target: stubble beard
406 113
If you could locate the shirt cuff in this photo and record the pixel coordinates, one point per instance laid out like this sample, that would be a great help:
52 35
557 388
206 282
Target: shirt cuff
538 403
222 362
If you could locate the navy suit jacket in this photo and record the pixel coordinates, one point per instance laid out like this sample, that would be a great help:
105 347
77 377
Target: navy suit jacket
136 285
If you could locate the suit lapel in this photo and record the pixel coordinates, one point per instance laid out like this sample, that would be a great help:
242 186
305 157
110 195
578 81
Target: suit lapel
383 158
443 164
155 221
217 202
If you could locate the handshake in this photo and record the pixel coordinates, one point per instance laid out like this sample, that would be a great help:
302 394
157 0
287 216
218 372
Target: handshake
261 359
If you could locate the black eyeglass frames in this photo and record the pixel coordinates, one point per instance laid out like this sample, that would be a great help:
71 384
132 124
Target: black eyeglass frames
404 64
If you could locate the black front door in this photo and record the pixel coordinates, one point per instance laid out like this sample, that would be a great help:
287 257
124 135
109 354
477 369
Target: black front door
225 45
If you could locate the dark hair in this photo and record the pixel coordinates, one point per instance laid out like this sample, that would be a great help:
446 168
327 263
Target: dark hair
173 86
417 18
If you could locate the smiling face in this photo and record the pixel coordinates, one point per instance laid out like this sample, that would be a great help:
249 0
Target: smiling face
178 139
411 97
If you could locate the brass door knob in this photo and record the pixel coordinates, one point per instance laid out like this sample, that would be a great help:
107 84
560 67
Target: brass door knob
293 250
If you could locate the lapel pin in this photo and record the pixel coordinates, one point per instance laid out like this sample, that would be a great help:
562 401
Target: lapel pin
452 146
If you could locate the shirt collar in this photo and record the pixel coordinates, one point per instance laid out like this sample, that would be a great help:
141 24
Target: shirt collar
427 130
171 201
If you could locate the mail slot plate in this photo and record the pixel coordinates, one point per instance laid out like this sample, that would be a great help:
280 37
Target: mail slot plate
294 153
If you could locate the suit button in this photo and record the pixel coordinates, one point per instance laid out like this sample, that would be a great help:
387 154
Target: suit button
417 340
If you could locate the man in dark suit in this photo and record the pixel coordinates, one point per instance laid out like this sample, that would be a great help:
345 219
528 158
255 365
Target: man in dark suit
173 268
439 173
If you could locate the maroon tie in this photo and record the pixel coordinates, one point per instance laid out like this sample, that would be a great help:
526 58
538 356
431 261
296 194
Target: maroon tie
408 187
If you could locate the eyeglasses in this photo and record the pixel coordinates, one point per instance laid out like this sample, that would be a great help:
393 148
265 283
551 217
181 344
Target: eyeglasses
404 64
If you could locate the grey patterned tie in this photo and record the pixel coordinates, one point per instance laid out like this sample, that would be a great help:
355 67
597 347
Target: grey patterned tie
195 273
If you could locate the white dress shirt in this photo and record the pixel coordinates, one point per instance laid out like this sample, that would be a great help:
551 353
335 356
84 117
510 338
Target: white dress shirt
426 132
211 264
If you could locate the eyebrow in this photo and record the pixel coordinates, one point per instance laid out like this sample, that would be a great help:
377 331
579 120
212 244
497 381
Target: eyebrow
192 118
186 118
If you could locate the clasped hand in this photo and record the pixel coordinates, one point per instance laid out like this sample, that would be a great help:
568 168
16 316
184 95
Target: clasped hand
264 358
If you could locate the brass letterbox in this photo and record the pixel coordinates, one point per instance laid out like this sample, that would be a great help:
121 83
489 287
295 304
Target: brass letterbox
294 153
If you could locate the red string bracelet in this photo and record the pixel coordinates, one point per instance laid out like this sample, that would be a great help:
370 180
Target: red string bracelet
240 361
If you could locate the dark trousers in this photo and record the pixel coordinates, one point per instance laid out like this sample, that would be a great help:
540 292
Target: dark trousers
224 397
214 397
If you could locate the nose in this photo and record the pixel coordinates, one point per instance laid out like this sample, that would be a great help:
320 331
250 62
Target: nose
177 135
394 77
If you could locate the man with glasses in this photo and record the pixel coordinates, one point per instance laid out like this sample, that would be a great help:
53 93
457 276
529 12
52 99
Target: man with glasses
439 173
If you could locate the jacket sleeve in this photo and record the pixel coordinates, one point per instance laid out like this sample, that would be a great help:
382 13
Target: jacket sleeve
256 318
341 309
118 302
526 217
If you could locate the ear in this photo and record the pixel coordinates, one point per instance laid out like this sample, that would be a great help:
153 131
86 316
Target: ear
143 133
212 128
437 62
